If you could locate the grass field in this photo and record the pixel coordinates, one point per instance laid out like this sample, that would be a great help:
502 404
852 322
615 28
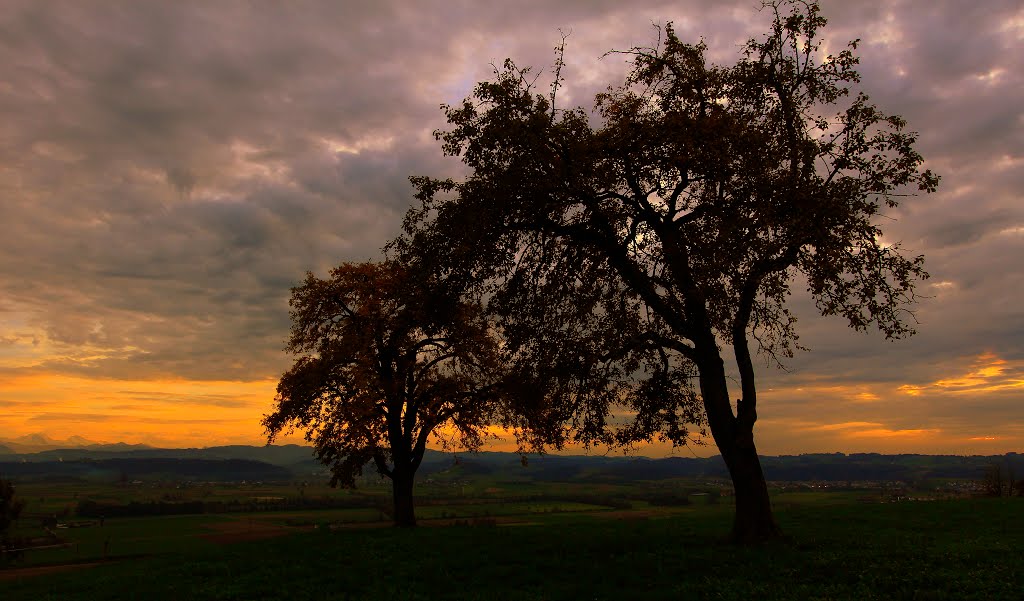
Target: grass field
838 549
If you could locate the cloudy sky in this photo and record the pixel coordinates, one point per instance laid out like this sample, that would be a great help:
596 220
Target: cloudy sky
168 170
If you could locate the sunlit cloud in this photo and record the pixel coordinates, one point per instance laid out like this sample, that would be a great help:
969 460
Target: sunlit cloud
873 430
988 374
889 433
1014 26
844 426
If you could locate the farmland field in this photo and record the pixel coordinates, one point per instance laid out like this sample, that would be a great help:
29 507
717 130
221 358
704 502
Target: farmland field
476 547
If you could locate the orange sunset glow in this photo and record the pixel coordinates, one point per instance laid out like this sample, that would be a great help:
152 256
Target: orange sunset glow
196 413
157 412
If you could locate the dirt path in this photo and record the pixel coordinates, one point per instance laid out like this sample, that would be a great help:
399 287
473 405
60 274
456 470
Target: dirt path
18 573
626 514
235 531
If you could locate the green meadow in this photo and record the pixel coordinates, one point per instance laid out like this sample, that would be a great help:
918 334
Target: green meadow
839 547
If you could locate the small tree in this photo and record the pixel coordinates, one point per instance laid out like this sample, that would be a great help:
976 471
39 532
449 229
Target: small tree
10 509
672 225
388 355
993 480
998 481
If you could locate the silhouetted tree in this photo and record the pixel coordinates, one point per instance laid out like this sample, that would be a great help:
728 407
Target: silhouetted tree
387 356
999 481
10 509
993 480
671 225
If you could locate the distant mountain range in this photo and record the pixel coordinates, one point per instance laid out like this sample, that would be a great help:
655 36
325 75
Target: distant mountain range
35 443
90 460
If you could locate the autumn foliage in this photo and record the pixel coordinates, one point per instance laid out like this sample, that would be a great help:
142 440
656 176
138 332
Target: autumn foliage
629 248
386 357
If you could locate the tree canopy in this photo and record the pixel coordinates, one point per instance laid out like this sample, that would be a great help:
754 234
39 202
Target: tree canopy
10 509
387 357
639 242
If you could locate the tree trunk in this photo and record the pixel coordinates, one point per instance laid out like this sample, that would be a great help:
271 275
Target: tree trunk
401 487
753 522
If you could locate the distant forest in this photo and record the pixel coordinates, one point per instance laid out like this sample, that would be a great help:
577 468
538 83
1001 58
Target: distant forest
292 462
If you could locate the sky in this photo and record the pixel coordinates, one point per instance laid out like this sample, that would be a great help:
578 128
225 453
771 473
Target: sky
169 170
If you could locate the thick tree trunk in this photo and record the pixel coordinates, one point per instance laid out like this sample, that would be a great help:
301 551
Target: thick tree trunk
401 487
753 522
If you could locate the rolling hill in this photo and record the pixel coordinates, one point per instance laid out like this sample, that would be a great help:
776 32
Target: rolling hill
286 462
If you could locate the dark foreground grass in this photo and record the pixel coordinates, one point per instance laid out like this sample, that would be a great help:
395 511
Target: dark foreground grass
923 550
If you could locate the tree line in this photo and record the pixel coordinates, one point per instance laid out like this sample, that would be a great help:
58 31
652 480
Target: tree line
586 279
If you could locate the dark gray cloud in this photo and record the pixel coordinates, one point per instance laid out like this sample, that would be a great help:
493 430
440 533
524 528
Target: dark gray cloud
173 168
169 169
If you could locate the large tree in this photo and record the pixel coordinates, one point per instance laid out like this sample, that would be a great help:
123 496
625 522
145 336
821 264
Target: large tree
388 356
674 221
